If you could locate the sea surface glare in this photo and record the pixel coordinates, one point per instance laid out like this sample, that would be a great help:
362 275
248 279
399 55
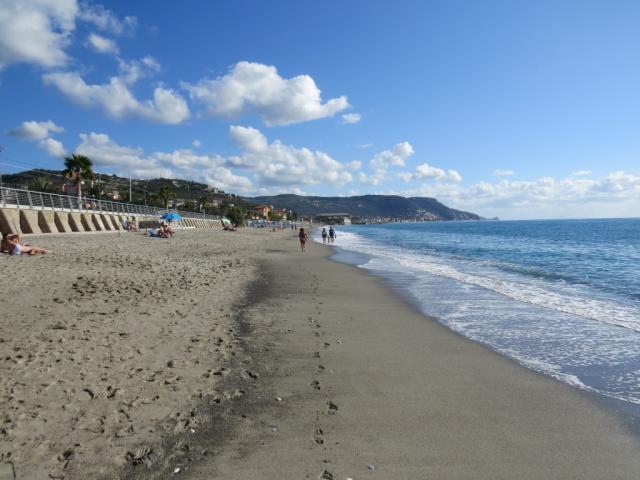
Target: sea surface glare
561 297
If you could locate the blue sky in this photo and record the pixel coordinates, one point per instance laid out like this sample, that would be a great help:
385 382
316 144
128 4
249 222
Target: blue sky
510 109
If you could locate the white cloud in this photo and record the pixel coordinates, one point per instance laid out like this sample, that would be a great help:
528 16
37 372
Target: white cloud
33 130
355 165
454 176
616 194
397 156
581 173
370 179
36 31
196 143
53 147
429 172
117 100
351 118
365 145
40 132
382 161
183 163
503 173
102 44
106 20
133 70
39 31
254 87
284 166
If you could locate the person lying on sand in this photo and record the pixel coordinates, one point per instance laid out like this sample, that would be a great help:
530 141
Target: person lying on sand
165 230
11 244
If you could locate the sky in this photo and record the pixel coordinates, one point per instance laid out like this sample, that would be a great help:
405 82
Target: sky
513 109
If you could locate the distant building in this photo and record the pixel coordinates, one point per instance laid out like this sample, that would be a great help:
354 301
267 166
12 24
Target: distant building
115 195
334 218
261 210
69 189
280 213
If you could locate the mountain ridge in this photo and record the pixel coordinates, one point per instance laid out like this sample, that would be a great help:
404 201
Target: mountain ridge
367 206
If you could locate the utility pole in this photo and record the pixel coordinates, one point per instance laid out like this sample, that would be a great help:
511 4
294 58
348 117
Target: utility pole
130 195
99 188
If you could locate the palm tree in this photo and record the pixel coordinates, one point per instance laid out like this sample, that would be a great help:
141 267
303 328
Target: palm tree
78 168
203 202
39 184
166 193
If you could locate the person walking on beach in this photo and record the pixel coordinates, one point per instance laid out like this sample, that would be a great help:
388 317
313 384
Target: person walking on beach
332 235
324 235
302 235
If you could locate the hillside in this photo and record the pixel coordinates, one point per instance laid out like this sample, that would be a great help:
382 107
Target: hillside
368 206
185 190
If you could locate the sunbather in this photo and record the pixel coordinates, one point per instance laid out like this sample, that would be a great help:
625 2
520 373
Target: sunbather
11 244
166 230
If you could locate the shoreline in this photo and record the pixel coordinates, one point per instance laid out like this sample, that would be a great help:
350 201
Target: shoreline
375 388
628 413
324 371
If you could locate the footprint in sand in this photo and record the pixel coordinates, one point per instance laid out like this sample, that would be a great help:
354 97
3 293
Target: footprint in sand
317 436
316 384
332 408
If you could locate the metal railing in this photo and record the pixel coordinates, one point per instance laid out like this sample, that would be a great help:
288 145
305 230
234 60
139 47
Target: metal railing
17 198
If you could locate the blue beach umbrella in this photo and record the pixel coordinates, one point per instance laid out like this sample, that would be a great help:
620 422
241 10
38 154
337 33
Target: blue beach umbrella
172 216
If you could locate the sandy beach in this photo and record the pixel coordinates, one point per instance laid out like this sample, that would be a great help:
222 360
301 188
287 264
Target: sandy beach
233 355
109 343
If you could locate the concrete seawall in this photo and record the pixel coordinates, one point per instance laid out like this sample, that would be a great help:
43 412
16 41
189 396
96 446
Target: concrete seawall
27 221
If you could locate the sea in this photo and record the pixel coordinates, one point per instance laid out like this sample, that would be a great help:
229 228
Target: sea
561 297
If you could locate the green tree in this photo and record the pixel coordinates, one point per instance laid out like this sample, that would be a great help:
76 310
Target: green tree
189 205
39 184
274 217
78 168
166 193
236 215
203 202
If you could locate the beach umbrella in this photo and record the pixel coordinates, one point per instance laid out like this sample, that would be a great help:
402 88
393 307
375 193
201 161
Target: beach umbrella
172 216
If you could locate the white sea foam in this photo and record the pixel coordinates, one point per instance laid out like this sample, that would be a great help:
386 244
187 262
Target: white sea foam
522 290
556 372
548 326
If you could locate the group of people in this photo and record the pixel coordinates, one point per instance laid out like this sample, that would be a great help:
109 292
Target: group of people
328 237
163 231
12 245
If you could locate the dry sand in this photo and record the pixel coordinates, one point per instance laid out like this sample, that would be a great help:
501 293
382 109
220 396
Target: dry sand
108 344
327 373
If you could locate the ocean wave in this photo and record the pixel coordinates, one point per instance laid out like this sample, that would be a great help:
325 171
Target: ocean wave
517 289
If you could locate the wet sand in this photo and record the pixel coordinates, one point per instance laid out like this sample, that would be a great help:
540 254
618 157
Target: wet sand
357 384
233 355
